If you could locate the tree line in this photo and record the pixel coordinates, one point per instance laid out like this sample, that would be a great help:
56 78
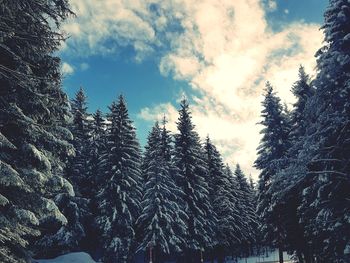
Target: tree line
304 154
71 180
178 196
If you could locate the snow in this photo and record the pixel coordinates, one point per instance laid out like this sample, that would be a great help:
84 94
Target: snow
9 176
272 257
37 155
3 200
82 257
53 210
77 257
27 216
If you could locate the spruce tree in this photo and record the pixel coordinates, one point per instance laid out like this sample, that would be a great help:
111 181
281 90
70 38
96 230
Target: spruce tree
190 162
80 128
224 198
271 151
286 186
120 194
96 147
325 208
248 207
161 219
243 230
76 208
302 91
33 115
94 173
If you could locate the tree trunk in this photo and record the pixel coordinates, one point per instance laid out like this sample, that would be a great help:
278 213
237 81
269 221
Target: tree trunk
220 254
190 256
280 254
156 258
186 256
212 255
308 255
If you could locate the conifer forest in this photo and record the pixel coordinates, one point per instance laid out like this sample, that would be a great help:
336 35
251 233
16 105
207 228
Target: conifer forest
77 180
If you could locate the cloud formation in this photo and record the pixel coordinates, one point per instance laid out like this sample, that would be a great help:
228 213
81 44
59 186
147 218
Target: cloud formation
67 69
272 5
224 49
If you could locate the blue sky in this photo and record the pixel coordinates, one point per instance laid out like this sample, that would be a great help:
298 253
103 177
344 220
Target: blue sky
217 52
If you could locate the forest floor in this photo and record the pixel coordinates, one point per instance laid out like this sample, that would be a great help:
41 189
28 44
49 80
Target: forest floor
82 257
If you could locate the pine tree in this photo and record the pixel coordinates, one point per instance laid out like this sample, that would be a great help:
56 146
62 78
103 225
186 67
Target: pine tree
67 238
119 198
161 219
95 149
190 162
97 146
167 144
248 206
325 208
302 92
33 115
76 208
78 168
286 186
271 152
224 198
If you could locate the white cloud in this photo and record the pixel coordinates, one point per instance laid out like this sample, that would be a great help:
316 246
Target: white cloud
272 5
224 49
160 111
102 27
67 69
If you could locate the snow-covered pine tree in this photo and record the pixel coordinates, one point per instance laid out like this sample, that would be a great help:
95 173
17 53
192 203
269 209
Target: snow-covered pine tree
97 146
33 115
325 209
161 219
190 162
248 214
286 186
167 143
244 230
76 208
224 198
67 238
254 195
80 128
302 91
96 149
271 151
120 194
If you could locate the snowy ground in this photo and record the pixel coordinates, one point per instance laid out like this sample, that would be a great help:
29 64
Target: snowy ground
78 257
272 257
81 257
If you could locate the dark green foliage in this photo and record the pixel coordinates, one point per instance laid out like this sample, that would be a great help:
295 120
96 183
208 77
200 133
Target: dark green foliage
224 197
33 115
271 153
80 128
325 209
285 196
96 147
248 206
162 218
120 194
309 194
192 168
